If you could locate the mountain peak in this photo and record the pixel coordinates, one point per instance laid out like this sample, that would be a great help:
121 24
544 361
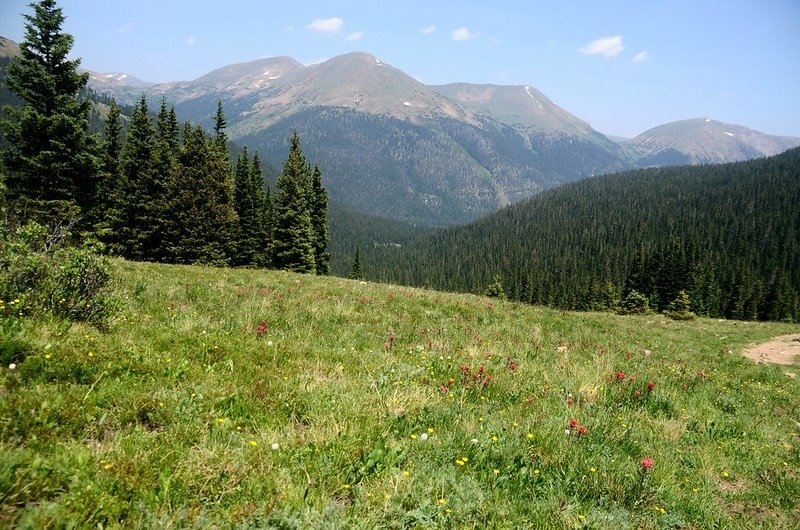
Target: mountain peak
705 141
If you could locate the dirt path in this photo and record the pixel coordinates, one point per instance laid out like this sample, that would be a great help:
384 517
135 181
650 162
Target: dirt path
780 350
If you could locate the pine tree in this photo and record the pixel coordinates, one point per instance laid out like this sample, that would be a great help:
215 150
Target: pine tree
293 233
134 226
108 185
246 201
220 123
268 224
200 201
51 157
357 272
319 222
496 290
263 205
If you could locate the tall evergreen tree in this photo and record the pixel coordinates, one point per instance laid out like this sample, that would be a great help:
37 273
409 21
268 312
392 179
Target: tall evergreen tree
134 225
108 185
263 203
293 233
247 203
51 157
319 222
200 200
357 272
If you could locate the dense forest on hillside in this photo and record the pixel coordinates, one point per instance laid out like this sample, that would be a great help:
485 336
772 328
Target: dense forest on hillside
727 235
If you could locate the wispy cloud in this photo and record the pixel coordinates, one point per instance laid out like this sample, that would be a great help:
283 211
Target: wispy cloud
127 28
605 46
428 30
641 57
357 35
326 25
463 33
190 40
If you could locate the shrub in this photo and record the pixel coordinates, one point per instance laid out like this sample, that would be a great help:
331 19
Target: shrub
40 273
634 304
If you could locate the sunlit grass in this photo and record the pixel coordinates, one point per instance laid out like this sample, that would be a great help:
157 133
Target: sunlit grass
253 398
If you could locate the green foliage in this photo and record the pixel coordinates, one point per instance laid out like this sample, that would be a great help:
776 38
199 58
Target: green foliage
726 235
634 303
202 218
496 290
51 157
319 223
681 307
357 271
40 273
293 233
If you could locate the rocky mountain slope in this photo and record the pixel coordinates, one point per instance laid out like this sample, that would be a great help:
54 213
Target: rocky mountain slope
704 141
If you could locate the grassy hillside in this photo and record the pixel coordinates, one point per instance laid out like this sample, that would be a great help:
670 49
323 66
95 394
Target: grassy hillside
248 398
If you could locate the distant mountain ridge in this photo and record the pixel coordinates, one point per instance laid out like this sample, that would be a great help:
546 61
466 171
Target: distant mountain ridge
704 141
390 145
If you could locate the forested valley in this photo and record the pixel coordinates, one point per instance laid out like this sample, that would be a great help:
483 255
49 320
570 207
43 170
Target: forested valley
719 240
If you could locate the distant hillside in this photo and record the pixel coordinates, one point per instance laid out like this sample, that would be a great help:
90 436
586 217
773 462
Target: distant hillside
704 141
728 234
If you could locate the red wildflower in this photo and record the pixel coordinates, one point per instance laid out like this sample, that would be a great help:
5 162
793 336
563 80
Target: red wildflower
582 430
387 346
450 382
620 375
487 380
573 423
651 385
261 329
443 389
570 401
637 394
646 464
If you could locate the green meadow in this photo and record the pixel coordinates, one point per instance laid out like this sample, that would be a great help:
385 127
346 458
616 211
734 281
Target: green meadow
241 398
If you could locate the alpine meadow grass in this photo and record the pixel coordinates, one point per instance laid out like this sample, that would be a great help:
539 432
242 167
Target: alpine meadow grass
242 398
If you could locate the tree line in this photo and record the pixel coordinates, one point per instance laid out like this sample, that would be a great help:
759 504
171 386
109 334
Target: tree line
159 191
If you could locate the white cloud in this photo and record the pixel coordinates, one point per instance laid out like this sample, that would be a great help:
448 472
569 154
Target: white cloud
463 33
641 57
190 40
605 46
357 35
428 30
327 25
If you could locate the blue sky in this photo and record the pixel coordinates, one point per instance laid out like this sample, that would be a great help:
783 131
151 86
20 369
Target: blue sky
622 66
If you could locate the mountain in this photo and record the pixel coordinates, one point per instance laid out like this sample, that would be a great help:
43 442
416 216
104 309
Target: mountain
729 235
431 159
703 141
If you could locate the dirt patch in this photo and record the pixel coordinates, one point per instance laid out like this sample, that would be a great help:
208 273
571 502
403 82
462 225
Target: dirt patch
780 350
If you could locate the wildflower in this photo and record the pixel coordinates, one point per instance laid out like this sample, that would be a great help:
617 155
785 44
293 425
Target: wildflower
530 436
346 486
620 375
253 443
573 423
406 473
413 436
261 329
646 464
442 502
725 474
651 385
496 471
637 394
593 470
423 437
494 438
275 446
570 401
430 430
12 366
582 430
269 343
460 462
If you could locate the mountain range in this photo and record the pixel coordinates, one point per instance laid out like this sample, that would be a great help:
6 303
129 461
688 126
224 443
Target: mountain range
390 145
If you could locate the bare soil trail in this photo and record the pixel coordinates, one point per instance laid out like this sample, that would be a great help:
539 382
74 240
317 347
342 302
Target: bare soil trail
783 350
